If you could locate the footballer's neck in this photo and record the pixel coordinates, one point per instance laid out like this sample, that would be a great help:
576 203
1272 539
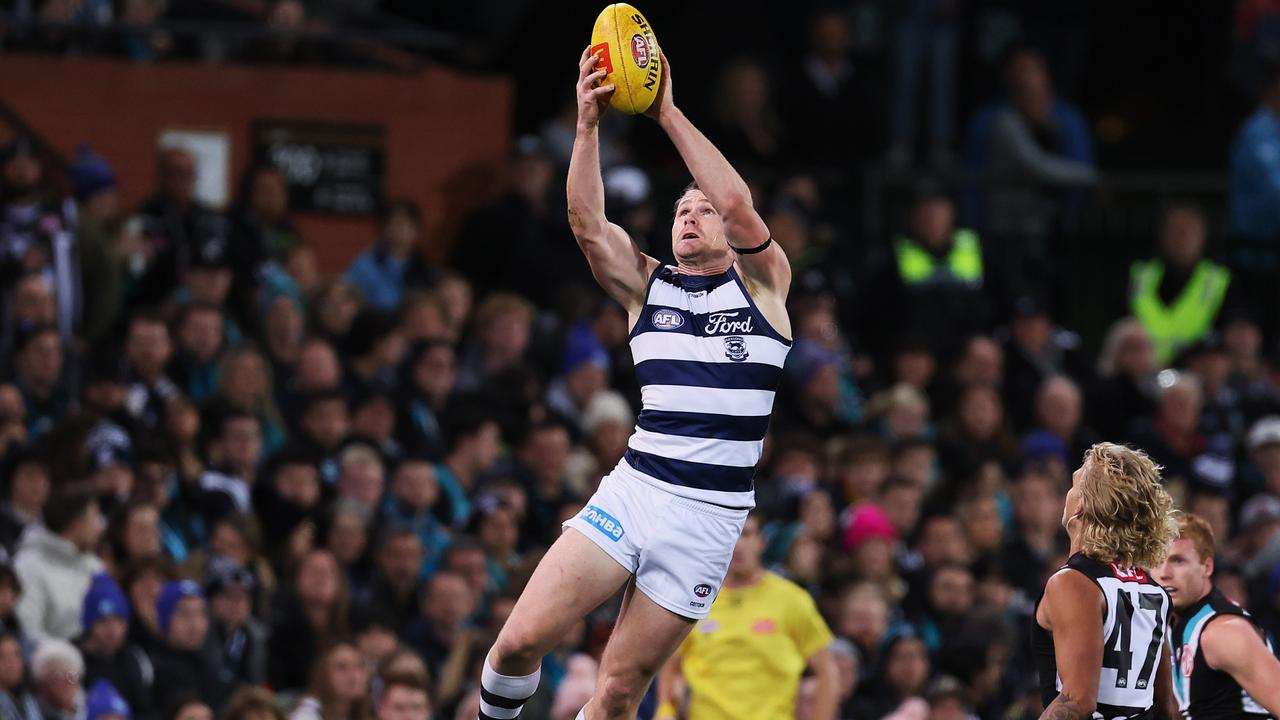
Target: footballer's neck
716 264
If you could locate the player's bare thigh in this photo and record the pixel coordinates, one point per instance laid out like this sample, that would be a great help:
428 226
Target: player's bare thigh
573 578
645 637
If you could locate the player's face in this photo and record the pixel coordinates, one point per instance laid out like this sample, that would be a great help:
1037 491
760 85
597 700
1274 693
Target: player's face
697 228
1071 508
1185 575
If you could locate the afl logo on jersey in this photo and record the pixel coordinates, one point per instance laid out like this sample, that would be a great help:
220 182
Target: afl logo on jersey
735 348
702 590
640 50
666 319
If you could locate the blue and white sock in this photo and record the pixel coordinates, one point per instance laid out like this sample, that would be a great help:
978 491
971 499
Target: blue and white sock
502 696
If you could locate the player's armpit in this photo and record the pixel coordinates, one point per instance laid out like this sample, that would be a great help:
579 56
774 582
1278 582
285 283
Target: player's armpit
1165 705
1232 644
1072 607
618 265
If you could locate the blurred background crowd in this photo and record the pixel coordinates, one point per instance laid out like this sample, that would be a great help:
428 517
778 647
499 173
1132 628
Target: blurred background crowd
239 484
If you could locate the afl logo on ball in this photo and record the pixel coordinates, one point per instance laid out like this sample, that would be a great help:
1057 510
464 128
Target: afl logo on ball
640 50
702 590
666 319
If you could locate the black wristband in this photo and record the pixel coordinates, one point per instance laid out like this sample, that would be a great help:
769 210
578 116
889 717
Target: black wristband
752 251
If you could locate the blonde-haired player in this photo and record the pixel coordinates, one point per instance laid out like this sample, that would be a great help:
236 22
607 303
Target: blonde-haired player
1100 626
1222 665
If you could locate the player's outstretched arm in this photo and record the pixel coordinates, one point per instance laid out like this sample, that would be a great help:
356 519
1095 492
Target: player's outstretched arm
618 265
1073 608
1233 645
726 190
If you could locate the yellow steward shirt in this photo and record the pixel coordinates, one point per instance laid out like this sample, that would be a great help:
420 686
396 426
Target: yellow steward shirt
744 660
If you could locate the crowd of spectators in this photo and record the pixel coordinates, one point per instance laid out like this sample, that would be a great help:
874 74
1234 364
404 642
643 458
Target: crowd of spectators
234 486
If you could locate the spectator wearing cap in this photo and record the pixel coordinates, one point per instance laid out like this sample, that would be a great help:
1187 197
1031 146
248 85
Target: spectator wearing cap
813 375
108 655
147 350
607 424
872 541
584 373
102 270
187 659
38 363
385 271
1177 296
56 562
1035 350
936 280
242 637
56 667
110 466
207 280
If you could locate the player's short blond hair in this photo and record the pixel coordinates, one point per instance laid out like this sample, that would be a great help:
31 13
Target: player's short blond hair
1194 528
1127 514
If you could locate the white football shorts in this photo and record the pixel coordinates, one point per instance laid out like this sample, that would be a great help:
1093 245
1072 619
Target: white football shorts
678 548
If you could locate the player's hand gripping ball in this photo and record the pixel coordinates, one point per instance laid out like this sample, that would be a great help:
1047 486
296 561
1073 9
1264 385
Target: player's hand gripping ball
629 55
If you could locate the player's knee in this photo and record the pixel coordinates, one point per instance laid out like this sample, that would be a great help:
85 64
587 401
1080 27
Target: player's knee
517 651
620 690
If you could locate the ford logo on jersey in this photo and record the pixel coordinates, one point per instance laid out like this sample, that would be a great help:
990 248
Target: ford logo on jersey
604 522
666 319
719 323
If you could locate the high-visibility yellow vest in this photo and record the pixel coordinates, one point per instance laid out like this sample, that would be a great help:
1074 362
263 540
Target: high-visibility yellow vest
962 265
1189 318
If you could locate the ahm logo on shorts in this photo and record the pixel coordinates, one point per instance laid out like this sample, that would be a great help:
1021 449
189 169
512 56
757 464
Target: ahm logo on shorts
665 319
604 522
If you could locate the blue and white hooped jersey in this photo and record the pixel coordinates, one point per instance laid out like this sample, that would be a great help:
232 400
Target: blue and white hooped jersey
708 364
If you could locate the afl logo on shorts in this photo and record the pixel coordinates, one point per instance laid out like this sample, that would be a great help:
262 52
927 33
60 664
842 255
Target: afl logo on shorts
702 590
640 50
735 348
666 319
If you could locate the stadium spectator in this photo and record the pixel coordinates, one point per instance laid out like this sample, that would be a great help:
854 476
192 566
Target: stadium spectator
442 627
307 617
241 637
924 45
187 660
16 700
107 653
394 264
28 484
253 703
339 687
56 669
403 697
1178 296
55 562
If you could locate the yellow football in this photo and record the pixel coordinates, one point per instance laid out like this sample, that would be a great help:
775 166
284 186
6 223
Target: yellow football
628 52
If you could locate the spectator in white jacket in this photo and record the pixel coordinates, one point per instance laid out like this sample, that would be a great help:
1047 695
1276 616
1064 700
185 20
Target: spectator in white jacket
56 563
